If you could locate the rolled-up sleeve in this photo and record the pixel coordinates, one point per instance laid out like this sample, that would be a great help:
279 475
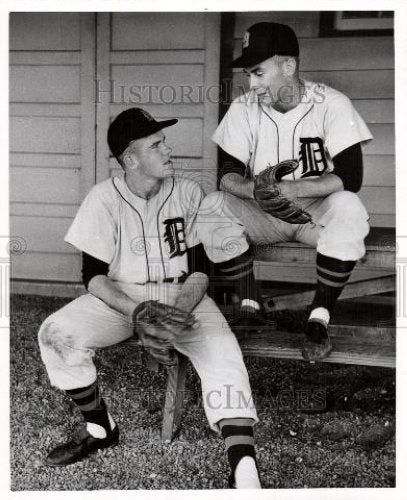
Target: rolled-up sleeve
233 134
94 229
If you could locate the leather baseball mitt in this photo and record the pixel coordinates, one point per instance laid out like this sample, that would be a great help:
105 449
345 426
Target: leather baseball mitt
268 195
156 325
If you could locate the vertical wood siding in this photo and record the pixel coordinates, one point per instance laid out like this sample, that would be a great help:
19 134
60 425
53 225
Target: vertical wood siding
167 64
52 138
70 74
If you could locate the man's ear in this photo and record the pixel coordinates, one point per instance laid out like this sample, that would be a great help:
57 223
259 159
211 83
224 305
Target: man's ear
289 66
130 160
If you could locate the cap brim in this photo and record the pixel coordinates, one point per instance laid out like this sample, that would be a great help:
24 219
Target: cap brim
247 60
166 123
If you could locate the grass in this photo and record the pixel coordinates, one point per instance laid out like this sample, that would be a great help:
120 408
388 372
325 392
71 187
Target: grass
320 425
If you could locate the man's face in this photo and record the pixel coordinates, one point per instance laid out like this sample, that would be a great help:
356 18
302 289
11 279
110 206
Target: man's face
152 156
267 80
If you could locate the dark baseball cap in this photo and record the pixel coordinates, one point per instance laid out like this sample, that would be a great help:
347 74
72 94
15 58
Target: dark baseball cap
132 124
264 40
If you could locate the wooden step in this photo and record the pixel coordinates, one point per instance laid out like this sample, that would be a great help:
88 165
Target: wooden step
380 251
361 288
357 345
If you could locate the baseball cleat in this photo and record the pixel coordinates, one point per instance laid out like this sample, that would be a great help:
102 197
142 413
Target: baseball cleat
248 324
82 445
317 344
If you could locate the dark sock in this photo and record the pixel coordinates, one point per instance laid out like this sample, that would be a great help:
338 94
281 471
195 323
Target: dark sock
333 274
239 441
91 405
240 271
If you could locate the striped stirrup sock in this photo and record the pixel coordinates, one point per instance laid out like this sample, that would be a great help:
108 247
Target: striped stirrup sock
91 405
239 442
333 274
240 271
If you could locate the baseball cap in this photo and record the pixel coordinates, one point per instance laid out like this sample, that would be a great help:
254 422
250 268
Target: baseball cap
264 40
132 124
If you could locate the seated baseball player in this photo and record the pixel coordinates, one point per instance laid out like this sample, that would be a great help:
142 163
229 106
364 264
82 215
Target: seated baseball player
137 233
314 135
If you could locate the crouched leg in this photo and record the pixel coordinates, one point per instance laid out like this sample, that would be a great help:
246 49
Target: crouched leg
226 393
68 339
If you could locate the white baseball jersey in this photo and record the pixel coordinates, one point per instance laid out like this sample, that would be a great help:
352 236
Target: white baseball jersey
141 240
322 125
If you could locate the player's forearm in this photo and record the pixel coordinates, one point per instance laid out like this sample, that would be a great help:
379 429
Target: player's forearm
313 188
104 289
236 184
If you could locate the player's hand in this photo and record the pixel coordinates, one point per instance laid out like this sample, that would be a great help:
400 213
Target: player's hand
288 189
160 350
160 321
157 325
268 193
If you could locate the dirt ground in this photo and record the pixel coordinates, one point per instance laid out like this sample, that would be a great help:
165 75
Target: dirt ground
321 425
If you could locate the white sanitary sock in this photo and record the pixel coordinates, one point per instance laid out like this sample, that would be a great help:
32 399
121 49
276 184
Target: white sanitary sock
246 475
98 431
320 313
250 304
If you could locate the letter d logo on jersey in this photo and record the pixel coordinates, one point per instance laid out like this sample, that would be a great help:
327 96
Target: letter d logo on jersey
174 236
312 157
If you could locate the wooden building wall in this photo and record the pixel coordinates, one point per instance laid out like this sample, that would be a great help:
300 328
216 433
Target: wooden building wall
70 74
58 122
51 137
164 62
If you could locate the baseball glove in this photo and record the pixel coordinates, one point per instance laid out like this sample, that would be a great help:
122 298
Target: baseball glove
156 325
268 195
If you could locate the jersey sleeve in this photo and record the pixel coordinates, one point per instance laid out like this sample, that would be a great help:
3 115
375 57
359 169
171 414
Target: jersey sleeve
343 125
94 230
193 196
233 134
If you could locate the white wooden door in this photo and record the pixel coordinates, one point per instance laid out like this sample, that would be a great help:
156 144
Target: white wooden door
70 73
168 64
52 138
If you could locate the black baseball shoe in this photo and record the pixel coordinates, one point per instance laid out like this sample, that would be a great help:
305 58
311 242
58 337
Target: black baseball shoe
317 344
80 447
249 322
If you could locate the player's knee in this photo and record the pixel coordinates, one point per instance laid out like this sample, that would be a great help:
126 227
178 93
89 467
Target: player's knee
52 335
348 208
344 198
47 332
213 204
348 203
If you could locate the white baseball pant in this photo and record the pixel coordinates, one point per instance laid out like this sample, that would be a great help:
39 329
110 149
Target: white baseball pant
68 339
227 224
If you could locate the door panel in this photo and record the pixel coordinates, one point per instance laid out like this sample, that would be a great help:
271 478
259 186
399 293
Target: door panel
134 70
52 137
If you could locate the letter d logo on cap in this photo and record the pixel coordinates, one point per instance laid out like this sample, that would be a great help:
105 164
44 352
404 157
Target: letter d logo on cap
246 39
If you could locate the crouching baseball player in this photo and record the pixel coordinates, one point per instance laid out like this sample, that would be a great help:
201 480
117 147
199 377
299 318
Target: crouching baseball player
292 165
136 233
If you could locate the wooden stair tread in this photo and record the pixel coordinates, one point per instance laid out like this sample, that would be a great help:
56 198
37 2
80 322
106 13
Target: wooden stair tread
300 300
380 251
348 348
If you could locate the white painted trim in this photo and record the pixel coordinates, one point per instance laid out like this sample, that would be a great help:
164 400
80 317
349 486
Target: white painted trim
88 106
211 102
103 76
